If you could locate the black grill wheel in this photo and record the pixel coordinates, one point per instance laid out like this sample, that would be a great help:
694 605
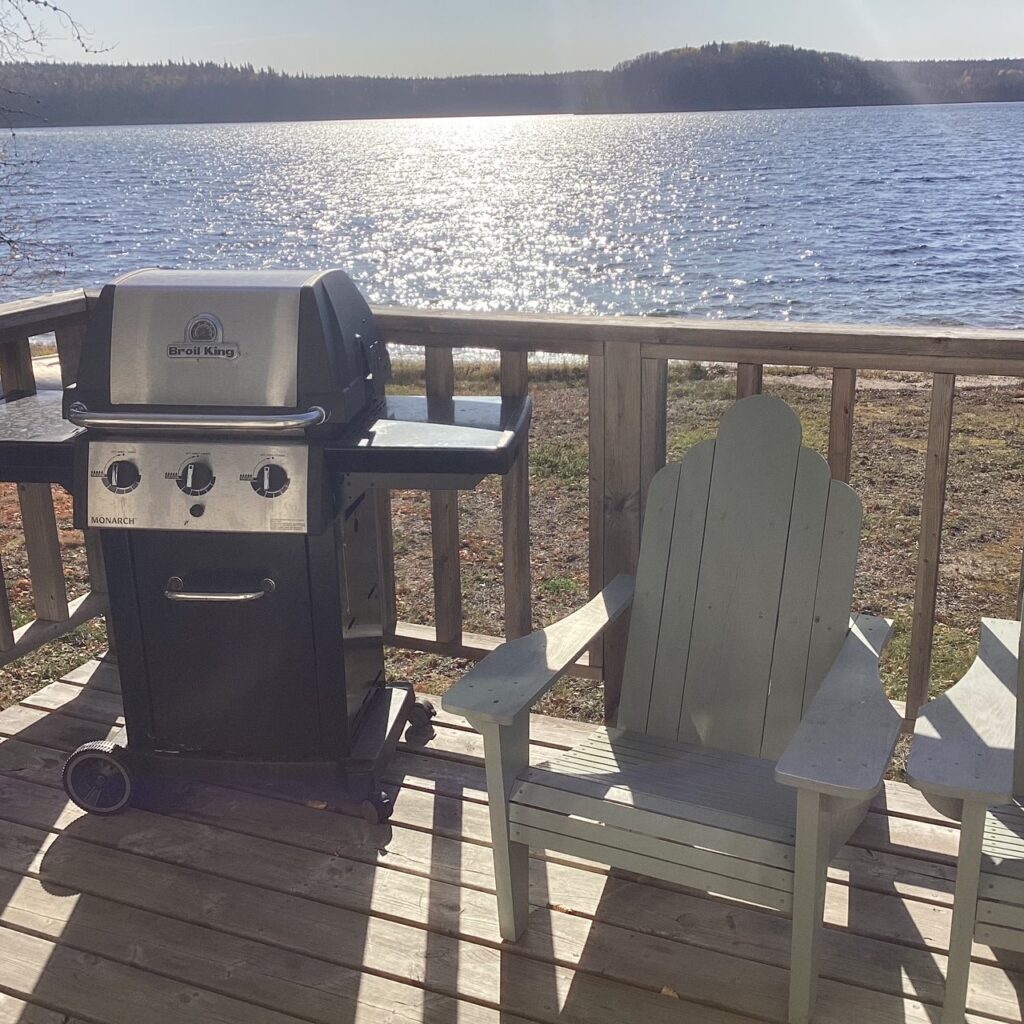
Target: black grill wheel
421 713
96 778
420 731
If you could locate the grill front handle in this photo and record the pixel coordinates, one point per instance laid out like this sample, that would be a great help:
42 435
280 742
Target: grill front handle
173 592
80 416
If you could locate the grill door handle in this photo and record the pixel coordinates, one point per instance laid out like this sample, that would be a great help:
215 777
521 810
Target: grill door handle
229 422
173 592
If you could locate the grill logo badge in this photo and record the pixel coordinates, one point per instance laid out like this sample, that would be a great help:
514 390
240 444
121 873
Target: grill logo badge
204 339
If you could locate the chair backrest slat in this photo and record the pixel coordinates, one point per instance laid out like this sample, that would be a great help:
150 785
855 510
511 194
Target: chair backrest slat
675 616
796 606
835 584
743 586
649 597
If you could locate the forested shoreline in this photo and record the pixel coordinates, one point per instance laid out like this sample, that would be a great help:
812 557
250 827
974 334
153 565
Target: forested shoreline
718 76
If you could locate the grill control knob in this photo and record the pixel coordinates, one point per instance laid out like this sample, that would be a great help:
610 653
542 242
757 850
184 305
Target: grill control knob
196 477
121 476
270 480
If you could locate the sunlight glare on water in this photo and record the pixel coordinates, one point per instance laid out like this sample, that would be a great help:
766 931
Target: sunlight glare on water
900 214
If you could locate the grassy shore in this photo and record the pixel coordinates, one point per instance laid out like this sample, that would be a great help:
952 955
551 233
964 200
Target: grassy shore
982 537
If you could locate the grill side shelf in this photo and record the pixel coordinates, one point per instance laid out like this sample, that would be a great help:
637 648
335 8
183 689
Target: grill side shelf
474 437
36 444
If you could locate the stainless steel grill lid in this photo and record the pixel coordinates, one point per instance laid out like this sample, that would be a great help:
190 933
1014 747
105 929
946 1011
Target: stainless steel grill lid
223 350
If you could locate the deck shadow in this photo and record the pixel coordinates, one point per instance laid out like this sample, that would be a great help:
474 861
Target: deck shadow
125 893
894 967
33 747
1012 963
735 958
151 892
456 963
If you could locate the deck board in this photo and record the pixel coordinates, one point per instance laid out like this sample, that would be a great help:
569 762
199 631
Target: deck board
243 901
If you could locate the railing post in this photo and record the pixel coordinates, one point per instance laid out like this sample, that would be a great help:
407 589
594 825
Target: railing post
6 623
70 338
595 484
623 459
930 543
42 544
653 423
515 511
94 560
15 375
38 521
16 372
840 425
749 379
444 509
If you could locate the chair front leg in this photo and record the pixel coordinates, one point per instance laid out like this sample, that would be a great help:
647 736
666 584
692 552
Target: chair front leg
965 910
813 838
506 755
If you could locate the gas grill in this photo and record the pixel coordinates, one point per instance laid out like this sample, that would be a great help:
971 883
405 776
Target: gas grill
227 433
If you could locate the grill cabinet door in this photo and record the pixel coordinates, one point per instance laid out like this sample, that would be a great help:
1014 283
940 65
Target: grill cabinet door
225 678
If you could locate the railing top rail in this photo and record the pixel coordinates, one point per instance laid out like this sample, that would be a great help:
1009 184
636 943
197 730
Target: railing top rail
857 346
41 313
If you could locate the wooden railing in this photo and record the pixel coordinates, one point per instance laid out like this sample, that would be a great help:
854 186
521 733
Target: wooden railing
627 359
65 316
627 370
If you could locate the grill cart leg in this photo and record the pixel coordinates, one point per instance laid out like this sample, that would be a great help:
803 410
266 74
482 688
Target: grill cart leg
366 798
97 778
376 737
377 809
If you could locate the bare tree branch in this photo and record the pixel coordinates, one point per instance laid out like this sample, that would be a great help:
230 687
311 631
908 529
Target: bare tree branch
26 25
25 28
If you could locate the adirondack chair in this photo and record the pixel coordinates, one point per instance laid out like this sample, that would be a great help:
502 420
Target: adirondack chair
968 760
752 731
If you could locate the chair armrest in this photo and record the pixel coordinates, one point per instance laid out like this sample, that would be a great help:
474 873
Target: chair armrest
845 741
964 740
516 675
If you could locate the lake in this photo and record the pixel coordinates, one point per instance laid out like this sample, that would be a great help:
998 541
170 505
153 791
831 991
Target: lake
909 215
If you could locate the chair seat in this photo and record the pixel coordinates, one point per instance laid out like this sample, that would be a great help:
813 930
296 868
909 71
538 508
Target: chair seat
1001 896
704 818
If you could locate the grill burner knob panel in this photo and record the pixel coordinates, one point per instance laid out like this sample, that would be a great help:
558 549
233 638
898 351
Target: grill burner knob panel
223 487
121 476
196 478
270 480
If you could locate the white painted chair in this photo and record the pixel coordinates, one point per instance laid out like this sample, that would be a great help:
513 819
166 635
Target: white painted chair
968 760
753 729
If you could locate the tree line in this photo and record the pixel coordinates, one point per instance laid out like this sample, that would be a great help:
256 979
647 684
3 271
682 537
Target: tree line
717 76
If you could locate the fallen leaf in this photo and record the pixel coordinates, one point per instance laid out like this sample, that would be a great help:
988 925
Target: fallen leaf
317 805
669 991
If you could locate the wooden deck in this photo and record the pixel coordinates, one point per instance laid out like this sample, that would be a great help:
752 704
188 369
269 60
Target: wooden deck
241 907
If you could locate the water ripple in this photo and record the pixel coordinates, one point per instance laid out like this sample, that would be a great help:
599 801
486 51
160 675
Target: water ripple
907 215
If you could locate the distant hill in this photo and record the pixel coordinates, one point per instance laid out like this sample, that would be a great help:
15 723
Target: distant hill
718 76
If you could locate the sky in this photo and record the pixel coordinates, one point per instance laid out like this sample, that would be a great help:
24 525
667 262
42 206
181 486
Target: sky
447 37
